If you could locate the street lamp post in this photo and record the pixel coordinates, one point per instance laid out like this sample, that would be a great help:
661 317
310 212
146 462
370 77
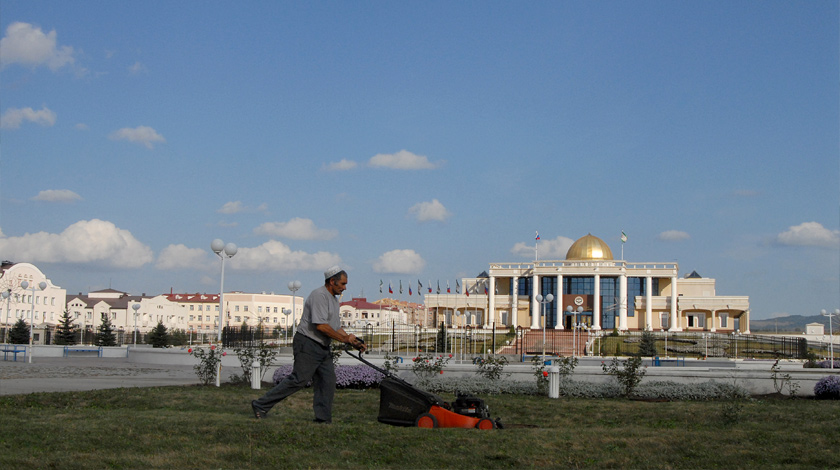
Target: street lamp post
25 285
575 314
218 246
6 295
831 333
136 307
286 312
543 302
294 286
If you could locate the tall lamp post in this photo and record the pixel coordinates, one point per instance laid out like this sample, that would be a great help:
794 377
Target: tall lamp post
294 286
25 285
574 312
136 307
543 302
222 251
6 294
831 333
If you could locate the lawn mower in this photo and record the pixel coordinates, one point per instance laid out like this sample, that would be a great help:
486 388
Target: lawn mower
403 404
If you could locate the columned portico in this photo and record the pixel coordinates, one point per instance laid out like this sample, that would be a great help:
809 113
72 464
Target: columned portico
559 303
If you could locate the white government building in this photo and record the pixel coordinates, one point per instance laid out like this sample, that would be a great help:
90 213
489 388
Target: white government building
592 288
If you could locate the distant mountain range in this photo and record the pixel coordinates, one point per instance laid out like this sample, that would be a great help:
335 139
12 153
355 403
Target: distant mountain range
792 324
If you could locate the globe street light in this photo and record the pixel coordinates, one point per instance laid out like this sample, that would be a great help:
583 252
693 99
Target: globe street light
25 285
831 333
575 314
543 301
136 307
294 286
218 246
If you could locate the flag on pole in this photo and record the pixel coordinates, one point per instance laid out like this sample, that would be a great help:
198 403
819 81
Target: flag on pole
623 237
457 287
409 290
447 287
400 286
430 286
466 289
380 286
390 291
419 288
438 286
538 235
485 289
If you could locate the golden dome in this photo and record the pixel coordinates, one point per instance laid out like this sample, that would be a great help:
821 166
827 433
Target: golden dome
589 247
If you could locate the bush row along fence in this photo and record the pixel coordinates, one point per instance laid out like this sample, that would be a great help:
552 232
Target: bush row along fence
123 338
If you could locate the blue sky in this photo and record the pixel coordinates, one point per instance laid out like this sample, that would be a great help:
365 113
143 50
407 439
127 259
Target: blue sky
420 140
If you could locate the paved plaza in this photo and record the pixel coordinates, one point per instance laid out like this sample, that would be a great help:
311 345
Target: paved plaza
61 374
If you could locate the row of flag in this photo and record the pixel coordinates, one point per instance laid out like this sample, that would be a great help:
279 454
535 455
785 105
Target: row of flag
420 288
623 236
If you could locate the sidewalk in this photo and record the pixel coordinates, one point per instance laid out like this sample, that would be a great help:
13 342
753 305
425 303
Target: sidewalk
52 374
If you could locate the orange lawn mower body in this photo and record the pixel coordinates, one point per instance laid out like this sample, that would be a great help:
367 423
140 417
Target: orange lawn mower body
403 404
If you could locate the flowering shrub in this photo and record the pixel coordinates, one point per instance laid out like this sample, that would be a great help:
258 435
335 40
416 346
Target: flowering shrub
425 366
827 364
491 367
628 373
570 388
263 353
209 360
358 376
828 388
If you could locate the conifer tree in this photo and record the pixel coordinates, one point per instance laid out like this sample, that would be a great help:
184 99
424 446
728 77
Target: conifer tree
65 334
158 337
647 347
105 335
19 333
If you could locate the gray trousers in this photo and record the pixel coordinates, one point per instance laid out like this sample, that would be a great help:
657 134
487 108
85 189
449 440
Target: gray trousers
312 362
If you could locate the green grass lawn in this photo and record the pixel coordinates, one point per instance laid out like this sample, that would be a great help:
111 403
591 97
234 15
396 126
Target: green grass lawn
209 427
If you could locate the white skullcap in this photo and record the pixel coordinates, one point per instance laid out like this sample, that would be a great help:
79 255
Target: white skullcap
331 272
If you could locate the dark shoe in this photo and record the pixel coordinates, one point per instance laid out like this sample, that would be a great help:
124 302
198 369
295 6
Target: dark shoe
258 413
321 421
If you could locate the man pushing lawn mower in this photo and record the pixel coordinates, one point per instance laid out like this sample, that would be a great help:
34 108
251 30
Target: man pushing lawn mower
319 325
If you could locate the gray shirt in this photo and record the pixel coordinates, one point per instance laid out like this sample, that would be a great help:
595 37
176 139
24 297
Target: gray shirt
320 307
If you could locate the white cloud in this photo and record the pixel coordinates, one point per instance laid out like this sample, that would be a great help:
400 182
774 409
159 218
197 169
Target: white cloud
426 211
28 45
1 233
57 195
276 256
342 165
141 135
399 262
402 160
549 249
809 234
673 236
235 207
231 207
182 257
14 117
296 229
81 126
137 68
85 242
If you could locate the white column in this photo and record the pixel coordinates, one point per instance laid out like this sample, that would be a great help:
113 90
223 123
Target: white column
714 321
596 309
491 303
514 301
558 301
535 306
648 300
675 319
745 323
622 300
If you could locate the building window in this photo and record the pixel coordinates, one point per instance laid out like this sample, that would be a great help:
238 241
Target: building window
192 308
236 308
665 320
259 309
724 320
246 308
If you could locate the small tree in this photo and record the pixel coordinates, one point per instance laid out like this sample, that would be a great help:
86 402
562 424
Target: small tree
440 345
158 337
628 373
19 333
105 334
647 348
65 334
